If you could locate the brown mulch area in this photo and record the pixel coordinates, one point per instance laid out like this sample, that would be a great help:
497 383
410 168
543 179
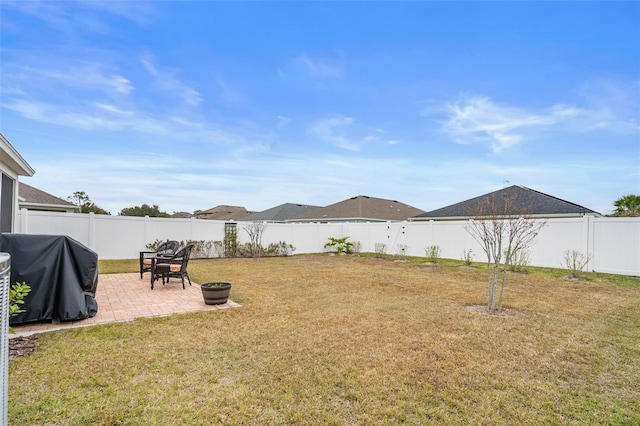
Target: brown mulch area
22 346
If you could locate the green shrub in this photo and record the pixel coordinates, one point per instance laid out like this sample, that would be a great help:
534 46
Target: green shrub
402 250
201 249
244 250
575 262
154 245
357 247
280 249
519 261
467 257
17 293
380 249
433 253
342 245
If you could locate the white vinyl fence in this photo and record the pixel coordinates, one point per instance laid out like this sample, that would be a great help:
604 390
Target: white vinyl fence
613 244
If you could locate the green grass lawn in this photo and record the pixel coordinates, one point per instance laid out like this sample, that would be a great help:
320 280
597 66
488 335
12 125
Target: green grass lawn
336 340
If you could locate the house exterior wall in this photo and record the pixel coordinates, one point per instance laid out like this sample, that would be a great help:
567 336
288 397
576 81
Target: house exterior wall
12 165
612 243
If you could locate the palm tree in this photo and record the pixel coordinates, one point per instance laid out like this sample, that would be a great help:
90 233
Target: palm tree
629 205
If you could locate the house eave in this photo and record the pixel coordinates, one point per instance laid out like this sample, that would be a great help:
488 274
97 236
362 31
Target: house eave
13 158
48 207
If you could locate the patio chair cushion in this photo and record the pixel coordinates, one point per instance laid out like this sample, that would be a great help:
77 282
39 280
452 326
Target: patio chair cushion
147 261
173 267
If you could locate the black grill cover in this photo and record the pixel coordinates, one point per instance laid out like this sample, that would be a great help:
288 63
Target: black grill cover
62 274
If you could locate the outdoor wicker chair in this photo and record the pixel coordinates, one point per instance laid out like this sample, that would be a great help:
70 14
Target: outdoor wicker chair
173 267
168 249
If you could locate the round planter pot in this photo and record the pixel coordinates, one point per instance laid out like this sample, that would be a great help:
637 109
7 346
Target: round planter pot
215 293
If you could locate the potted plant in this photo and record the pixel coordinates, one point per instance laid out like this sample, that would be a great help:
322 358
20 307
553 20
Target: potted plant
215 293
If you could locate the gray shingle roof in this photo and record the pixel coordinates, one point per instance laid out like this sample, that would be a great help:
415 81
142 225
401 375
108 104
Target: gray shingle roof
361 208
34 196
524 201
181 215
223 212
280 213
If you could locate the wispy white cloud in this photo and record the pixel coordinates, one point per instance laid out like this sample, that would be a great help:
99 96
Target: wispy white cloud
58 16
479 119
227 95
103 116
70 17
331 131
87 76
167 81
611 105
136 11
96 116
380 136
88 95
282 121
321 68
344 132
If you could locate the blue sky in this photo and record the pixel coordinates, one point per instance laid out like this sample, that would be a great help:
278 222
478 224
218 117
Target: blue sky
189 105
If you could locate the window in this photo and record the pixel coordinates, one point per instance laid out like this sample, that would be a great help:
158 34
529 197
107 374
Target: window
6 204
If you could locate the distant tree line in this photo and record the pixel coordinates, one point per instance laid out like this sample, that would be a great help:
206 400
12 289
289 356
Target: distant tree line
81 199
143 210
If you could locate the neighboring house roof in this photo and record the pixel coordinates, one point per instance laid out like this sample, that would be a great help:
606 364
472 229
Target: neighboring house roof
223 213
181 215
13 159
31 198
523 200
360 209
280 213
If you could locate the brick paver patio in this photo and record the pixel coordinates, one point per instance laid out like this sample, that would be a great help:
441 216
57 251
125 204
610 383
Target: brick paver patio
125 297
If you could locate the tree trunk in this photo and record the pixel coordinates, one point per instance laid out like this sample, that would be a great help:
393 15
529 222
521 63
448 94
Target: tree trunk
502 286
493 287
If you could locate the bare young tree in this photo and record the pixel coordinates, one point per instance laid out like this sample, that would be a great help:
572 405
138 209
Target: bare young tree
255 231
503 228
575 262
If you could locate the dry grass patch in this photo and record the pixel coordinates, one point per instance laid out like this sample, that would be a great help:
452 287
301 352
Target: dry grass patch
349 341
